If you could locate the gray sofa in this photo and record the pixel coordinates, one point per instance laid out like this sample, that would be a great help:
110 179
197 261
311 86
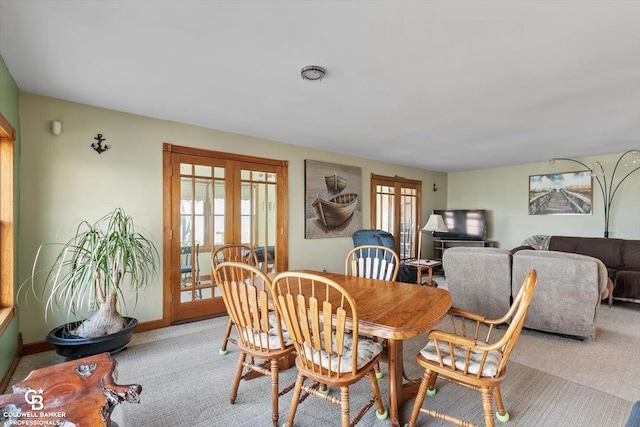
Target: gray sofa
479 279
567 297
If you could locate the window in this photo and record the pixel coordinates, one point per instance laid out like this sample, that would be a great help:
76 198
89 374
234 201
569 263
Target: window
396 208
7 304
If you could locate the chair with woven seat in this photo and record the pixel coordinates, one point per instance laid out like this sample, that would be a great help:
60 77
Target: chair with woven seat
246 292
479 362
232 253
322 320
374 262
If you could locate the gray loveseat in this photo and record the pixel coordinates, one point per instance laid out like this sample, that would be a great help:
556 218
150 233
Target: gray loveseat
567 297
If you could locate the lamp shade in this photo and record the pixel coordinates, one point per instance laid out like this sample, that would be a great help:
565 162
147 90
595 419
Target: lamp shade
435 223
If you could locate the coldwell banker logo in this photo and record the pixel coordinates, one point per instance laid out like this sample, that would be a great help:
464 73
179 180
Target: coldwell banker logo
15 416
35 399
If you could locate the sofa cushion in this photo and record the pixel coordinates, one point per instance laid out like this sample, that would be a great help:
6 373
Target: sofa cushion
627 284
631 255
609 251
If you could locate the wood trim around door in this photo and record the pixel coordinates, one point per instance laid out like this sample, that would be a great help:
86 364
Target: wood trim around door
171 186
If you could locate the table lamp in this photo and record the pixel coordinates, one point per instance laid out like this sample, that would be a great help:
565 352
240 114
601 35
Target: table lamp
435 223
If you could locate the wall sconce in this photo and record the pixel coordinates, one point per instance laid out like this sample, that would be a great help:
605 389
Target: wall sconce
56 127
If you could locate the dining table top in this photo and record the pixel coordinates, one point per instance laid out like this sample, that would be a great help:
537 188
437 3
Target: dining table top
393 310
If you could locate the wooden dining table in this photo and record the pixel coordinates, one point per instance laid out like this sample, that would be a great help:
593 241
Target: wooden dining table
394 311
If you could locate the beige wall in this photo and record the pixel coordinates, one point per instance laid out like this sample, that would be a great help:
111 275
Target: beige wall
504 193
63 180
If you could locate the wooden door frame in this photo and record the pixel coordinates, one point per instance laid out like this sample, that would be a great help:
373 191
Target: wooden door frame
397 182
7 231
170 187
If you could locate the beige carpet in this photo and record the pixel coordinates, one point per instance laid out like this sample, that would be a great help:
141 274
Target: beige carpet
552 381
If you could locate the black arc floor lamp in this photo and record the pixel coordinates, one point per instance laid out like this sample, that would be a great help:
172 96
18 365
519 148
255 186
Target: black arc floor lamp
607 187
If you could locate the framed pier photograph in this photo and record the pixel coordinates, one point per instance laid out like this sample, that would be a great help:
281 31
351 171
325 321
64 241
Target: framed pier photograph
568 193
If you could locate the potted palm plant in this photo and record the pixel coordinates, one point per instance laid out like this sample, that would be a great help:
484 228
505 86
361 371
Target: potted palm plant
91 270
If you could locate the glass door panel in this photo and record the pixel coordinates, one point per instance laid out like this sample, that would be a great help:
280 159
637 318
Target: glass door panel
409 215
196 232
201 212
396 209
259 213
216 199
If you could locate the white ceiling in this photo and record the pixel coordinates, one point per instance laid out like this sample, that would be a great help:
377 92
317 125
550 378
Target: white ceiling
441 85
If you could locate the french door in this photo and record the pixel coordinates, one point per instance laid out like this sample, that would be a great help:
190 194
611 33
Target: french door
212 199
395 208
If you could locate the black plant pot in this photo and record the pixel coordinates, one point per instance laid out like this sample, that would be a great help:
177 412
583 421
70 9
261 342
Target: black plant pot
74 347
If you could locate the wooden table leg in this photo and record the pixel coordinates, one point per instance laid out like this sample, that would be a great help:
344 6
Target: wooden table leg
394 358
399 391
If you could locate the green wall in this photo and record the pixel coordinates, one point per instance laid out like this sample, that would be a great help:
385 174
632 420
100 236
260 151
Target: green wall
504 193
64 180
9 106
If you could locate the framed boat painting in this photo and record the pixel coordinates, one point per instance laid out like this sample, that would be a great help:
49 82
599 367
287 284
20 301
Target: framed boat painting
333 206
569 193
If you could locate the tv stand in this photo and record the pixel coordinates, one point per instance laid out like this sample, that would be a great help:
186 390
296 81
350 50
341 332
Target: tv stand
440 245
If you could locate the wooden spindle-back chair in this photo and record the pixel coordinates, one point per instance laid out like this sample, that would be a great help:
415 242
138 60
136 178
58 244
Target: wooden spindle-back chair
232 253
247 296
322 320
372 261
479 362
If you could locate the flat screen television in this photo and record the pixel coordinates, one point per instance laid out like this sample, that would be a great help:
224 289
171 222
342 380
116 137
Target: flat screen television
463 224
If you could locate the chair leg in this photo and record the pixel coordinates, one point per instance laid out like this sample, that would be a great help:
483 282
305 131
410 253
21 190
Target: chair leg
502 415
487 406
274 391
223 349
373 378
344 406
237 378
432 377
419 399
295 399
376 368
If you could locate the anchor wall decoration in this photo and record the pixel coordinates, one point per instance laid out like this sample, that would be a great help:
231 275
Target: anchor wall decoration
98 146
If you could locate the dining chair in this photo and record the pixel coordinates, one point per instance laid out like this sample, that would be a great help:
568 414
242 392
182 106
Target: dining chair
322 320
246 292
479 362
372 261
232 252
